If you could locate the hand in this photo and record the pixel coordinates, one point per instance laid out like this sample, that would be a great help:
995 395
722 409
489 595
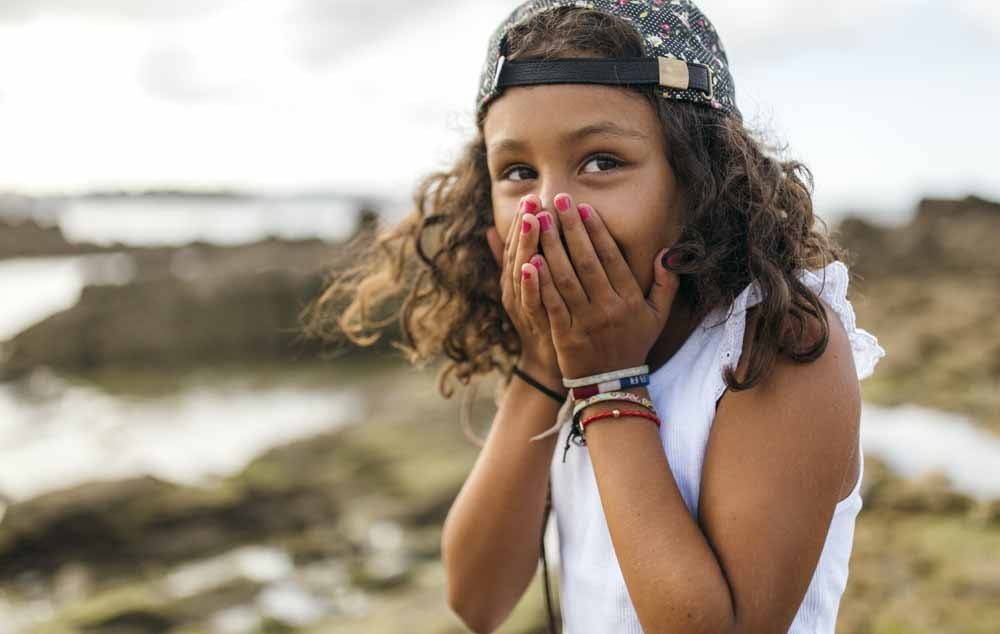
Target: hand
600 320
537 349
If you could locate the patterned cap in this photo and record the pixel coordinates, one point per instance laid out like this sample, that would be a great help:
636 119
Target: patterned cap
684 56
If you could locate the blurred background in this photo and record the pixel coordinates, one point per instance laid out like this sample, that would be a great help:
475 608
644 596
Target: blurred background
177 178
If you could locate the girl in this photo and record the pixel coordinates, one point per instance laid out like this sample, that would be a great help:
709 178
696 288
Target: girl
614 229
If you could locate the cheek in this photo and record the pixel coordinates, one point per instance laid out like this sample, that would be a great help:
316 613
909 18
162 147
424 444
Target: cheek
503 220
502 217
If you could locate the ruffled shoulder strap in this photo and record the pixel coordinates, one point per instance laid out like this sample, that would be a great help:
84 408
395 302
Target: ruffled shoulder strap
829 283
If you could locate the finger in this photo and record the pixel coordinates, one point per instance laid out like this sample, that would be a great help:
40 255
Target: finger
556 311
561 272
531 298
619 274
513 234
588 266
531 301
528 243
509 243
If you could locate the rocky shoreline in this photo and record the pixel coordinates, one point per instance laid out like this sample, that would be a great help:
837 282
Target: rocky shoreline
341 532
363 510
200 303
927 289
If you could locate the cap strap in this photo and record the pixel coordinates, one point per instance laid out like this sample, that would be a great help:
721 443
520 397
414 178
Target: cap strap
663 71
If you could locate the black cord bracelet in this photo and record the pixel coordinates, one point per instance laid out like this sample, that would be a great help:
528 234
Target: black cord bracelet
532 382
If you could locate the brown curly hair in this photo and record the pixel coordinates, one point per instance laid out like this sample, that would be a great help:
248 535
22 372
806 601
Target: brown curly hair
750 217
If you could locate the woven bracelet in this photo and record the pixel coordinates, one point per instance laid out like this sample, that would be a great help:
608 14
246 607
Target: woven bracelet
610 386
611 396
606 376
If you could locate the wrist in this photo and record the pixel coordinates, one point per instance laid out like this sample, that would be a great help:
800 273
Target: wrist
621 404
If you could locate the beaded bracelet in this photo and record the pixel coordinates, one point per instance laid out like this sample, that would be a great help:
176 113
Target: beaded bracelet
575 434
606 376
612 396
618 413
610 386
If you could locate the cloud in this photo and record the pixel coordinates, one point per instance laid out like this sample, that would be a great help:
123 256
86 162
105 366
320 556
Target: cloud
324 32
17 10
759 30
172 72
304 93
239 53
983 16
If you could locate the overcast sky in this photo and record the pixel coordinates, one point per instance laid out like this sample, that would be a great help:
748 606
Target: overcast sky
886 101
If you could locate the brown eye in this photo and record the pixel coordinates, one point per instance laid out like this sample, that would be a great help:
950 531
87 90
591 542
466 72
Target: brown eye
605 158
513 170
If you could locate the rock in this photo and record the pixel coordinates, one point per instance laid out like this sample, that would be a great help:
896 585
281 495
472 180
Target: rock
115 526
29 238
986 513
944 236
928 290
131 622
72 583
386 562
292 495
197 304
881 489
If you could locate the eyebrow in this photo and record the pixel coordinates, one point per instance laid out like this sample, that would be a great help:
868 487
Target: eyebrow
607 128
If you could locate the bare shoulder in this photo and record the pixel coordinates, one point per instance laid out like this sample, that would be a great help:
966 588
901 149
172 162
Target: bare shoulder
779 458
831 379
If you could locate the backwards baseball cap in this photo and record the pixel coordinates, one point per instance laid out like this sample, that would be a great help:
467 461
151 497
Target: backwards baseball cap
683 55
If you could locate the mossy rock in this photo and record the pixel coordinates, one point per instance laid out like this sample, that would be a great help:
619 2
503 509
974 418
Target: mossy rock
934 493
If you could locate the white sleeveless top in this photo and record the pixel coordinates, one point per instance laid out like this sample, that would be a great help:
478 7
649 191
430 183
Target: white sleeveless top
593 595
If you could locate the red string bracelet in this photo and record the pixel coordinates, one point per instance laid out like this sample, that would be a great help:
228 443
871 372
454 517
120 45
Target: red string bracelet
618 413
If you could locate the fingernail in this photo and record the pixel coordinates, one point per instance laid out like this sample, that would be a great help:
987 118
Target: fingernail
525 274
525 226
529 206
562 202
537 261
545 221
671 259
585 210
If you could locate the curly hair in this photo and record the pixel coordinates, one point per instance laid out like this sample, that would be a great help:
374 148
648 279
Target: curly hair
749 217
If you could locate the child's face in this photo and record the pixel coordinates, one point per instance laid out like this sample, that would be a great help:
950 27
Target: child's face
633 188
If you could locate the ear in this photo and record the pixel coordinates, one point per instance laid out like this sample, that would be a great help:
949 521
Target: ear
496 244
666 283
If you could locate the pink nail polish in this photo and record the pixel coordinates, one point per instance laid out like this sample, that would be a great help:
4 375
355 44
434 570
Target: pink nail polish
530 207
525 226
545 221
525 274
537 261
584 210
562 203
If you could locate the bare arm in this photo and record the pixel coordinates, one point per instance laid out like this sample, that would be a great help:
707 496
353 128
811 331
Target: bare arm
490 540
773 473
